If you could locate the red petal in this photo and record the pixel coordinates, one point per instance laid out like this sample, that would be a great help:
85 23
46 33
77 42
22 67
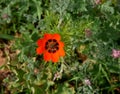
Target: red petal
61 52
39 42
55 57
56 36
39 50
47 36
47 56
61 44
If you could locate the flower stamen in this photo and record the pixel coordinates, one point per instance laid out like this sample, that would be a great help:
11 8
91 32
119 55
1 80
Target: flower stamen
52 45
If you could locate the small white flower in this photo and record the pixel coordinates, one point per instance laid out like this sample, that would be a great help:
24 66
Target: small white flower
87 82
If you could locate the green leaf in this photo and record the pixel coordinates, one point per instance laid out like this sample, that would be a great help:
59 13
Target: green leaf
5 36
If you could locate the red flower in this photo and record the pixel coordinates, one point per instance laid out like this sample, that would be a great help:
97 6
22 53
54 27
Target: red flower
51 47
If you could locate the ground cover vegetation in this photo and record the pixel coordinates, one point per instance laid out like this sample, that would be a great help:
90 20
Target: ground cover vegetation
59 46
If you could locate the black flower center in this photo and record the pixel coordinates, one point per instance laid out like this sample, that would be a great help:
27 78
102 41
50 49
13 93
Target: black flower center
52 45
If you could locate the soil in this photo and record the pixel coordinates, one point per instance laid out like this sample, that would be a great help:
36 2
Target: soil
2 58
